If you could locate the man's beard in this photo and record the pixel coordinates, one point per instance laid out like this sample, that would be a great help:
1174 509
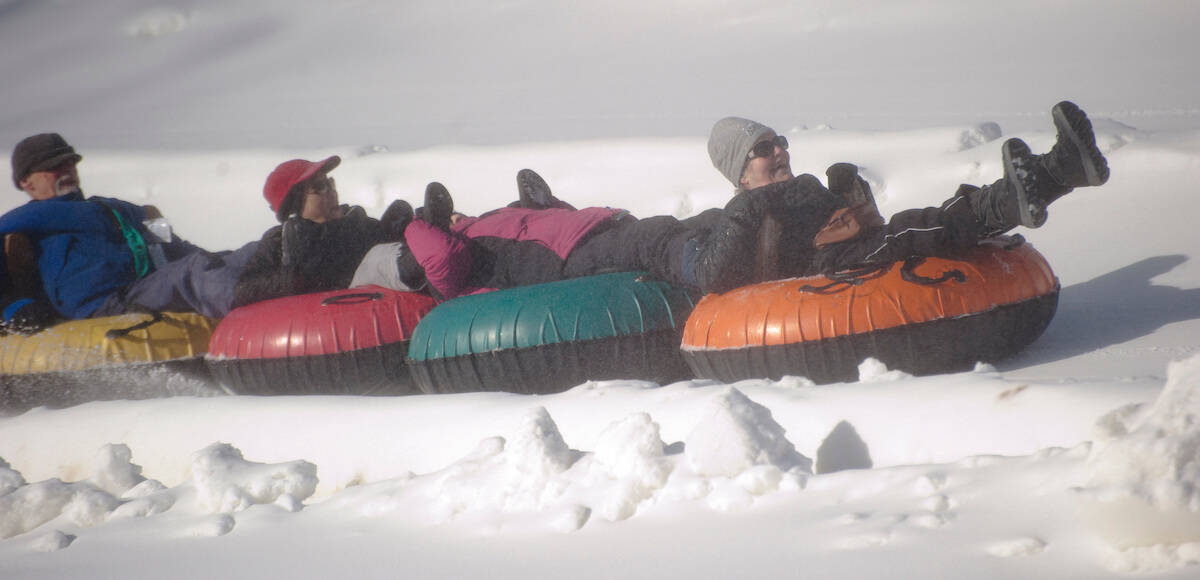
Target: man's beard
66 186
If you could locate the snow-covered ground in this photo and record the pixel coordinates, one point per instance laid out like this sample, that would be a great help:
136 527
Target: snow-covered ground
1079 458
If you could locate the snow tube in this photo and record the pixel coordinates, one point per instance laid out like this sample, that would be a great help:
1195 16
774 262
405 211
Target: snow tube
550 337
923 316
339 342
131 356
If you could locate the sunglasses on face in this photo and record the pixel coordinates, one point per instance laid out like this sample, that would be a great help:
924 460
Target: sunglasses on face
767 148
320 186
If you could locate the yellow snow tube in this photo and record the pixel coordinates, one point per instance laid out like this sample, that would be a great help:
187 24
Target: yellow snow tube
110 342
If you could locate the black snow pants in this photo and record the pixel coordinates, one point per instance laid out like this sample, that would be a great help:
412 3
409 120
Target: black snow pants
656 244
943 232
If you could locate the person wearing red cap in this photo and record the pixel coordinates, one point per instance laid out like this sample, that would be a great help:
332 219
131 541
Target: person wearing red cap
78 257
319 243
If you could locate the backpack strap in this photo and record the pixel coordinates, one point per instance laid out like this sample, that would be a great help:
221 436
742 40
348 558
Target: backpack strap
133 238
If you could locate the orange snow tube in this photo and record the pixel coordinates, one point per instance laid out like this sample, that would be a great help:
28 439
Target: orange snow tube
922 316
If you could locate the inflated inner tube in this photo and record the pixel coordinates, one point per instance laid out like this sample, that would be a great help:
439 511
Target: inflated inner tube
339 342
550 337
923 316
131 356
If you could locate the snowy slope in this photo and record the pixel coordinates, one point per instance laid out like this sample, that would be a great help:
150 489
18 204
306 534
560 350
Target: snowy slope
1076 459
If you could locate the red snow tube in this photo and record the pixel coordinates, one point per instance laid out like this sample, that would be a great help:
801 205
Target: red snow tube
340 342
923 316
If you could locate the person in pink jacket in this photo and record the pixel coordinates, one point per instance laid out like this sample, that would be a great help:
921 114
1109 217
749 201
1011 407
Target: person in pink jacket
526 243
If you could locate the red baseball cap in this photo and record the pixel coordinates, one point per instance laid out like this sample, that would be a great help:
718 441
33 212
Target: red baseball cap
281 181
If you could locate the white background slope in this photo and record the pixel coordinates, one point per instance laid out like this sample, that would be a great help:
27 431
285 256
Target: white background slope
188 105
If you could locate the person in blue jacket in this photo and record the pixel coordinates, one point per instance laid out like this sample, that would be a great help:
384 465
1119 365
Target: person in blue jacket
97 256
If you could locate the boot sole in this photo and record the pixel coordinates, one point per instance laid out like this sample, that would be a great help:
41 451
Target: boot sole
438 205
531 188
1071 121
1018 161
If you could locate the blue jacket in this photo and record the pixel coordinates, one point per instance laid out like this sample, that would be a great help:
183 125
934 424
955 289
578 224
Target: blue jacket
82 255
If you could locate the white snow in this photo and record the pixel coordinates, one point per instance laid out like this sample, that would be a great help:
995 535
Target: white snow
1145 481
1078 458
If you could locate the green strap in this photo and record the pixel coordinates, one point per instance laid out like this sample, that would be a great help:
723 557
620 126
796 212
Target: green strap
135 241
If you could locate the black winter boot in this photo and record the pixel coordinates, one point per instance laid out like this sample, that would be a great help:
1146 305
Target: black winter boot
1075 160
532 190
534 193
1008 203
396 218
1028 188
438 205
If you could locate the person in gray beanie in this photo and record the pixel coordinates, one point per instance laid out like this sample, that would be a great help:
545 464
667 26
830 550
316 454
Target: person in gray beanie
806 228
732 142
778 225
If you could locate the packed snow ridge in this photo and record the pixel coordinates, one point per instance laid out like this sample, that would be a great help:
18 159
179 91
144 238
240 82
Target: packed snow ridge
735 452
1143 493
222 482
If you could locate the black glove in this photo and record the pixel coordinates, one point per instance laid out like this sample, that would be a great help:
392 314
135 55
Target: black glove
26 316
846 183
299 236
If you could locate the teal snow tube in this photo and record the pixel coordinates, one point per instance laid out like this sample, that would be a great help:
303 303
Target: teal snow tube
550 337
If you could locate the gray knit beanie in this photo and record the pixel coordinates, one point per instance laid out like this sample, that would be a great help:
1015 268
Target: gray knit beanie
730 143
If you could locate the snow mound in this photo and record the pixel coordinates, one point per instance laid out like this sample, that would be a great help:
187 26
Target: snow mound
532 481
52 541
212 526
10 480
32 505
1017 547
225 482
736 434
519 474
1157 558
537 451
25 507
872 370
115 473
630 453
1145 484
978 135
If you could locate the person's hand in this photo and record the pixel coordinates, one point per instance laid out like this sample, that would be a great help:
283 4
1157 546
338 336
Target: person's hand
26 316
298 240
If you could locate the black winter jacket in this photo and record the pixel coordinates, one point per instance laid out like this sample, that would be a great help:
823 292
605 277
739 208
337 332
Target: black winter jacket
804 206
327 256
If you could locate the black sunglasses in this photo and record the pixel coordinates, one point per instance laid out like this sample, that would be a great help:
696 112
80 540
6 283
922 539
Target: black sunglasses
767 148
319 185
